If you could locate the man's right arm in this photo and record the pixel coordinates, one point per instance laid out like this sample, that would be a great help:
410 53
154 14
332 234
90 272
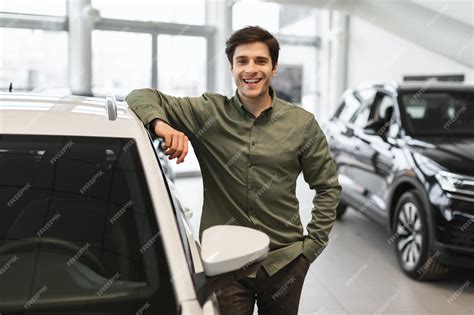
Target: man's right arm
172 118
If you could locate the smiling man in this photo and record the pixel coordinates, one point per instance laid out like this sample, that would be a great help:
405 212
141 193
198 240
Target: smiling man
251 149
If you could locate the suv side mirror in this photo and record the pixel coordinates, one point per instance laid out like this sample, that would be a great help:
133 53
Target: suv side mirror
229 253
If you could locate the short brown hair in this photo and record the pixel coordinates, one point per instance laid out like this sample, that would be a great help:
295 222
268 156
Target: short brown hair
252 34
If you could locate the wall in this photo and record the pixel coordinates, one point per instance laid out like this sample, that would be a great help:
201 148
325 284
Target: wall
377 55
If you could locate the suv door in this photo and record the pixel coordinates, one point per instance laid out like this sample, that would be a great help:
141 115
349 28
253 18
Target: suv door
341 141
373 155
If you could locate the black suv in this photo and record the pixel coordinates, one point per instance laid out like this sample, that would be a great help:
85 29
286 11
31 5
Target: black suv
405 156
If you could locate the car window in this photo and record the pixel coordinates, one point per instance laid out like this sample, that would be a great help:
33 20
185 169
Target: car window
438 113
78 234
383 108
361 115
350 105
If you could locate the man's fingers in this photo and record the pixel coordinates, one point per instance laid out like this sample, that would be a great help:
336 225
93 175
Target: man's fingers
179 145
167 141
172 147
185 151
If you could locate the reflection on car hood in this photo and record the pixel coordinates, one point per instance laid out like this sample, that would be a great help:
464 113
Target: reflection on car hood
454 153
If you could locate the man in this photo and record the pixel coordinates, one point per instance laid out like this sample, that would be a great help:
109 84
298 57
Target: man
251 149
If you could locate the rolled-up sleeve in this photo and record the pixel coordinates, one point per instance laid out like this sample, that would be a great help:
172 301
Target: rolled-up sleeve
182 113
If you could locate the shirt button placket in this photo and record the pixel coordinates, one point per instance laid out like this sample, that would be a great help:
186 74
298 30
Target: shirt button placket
251 181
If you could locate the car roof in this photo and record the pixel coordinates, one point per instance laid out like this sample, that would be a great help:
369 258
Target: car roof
30 113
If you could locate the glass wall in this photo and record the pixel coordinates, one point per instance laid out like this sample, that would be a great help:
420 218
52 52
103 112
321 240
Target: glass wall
175 11
33 59
121 61
42 7
182 65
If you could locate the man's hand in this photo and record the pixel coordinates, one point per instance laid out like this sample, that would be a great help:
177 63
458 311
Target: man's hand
175 142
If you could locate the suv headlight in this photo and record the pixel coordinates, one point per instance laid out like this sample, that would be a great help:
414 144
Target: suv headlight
426 165
448 181
455 183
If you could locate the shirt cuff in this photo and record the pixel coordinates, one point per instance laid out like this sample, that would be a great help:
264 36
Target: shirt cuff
311 249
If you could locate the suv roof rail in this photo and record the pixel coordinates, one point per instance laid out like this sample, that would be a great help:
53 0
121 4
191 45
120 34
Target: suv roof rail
111 106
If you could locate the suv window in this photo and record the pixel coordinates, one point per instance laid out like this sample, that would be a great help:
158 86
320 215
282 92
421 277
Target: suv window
78 234
360 116
350 105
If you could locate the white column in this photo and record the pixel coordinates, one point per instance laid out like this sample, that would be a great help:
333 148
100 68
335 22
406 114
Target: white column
81 18
219 14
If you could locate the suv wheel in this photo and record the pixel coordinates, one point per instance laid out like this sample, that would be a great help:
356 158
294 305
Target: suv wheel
412 247
341 209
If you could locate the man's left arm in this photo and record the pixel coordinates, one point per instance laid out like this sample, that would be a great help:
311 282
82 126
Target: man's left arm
319 171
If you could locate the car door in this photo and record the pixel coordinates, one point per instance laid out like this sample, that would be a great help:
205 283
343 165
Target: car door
373 154
346 142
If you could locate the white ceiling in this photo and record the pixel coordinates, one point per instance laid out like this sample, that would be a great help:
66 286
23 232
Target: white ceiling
461 10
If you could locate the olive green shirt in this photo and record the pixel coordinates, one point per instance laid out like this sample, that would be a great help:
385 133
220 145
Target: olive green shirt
250 165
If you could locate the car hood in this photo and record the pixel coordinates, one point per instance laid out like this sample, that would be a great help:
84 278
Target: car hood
454 153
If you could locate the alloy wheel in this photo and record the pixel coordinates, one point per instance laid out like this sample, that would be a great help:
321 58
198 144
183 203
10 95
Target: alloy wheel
410 237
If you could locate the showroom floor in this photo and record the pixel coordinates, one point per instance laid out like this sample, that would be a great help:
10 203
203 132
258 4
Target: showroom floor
358 272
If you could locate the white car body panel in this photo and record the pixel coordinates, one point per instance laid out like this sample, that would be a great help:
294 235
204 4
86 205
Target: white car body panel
85 116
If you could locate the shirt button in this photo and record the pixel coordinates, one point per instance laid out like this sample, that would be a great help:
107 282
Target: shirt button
255 123
252 209
250 165
253 142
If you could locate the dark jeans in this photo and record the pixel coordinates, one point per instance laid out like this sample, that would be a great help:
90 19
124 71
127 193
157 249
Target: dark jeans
278 294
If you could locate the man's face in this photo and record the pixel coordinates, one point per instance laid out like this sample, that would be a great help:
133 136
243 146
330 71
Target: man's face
252 69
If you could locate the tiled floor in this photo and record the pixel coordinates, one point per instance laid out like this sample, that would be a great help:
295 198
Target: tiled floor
358 272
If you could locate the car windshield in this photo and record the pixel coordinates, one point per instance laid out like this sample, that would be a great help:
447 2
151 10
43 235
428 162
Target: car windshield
78 234
438 113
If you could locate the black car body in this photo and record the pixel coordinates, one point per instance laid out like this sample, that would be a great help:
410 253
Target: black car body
405 156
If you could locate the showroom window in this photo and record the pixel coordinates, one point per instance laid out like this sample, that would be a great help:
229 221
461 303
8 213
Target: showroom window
33 60
121 61
43 7
281 19
182 65
173 11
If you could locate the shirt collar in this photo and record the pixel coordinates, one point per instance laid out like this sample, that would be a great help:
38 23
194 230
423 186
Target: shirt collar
241 107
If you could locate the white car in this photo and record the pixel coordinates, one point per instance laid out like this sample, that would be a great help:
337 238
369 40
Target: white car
89 223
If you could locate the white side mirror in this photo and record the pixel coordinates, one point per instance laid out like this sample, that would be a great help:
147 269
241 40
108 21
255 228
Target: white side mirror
227 248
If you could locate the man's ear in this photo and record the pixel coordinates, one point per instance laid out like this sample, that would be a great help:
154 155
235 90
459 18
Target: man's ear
275 70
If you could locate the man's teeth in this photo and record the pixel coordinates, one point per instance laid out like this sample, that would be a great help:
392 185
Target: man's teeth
251 80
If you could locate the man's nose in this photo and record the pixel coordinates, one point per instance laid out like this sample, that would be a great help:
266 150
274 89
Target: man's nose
250 67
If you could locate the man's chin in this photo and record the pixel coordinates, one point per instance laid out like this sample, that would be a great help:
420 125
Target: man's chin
251 93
